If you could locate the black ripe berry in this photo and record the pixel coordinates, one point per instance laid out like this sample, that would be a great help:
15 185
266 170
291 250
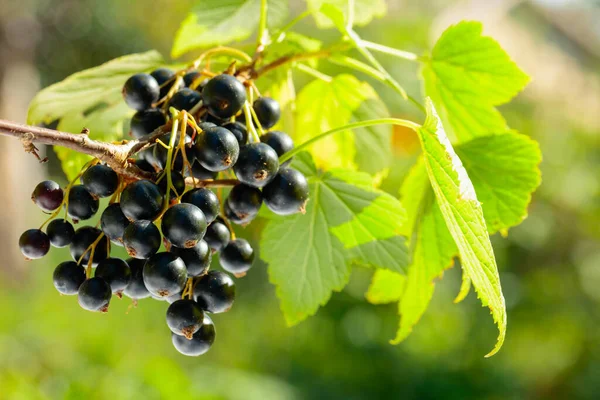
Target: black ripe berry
193 80
200 342
215 292
184 317
206 200
165 79
267 111
224 96
279 141
183 225
60 232
82 204
68 277
171 299
243 219
178 182
115 272
142 200
199 172
197 259
237 256
142 239
140 91
185 99
145 122
217 149
217 235
244 201
83 239
164 274
47 195
239 130
144 165
136 289
287 193
257 164
100 180
113 223
160 153
34 243
94 295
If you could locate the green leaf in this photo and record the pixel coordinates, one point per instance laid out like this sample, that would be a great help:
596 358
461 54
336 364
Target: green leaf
386 287
364 11
467 76
292 43
376 139
218 22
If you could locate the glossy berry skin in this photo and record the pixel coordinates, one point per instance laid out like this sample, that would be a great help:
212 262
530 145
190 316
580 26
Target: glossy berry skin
34 244
183 225
205 125
164 274
145 122
199 172
239 130
267 111
197 259
94 295
136 289
82 205
237 256
244 201
215 292
162 76
185 99
206 200
201 341
113 223
144 165
60 232
115 272
142 239
84 237
216 149
178 182
68 277
287 193
224 96
47 195
172 298
140 91
257 164
244 219
142 200
279 141
100 180
184 317
217 235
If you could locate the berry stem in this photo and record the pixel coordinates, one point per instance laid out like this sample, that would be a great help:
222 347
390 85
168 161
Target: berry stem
170 158
248 115
407 55
263 33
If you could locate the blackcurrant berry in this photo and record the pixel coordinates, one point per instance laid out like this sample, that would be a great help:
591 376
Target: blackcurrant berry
257 164
47 195
183 225
215 292
281 142
160 153
140 91
34 243
244 201
216 148
206 200
165 79
185 99
164 274
82 204
184 317
197 259
100 180
205 125
113 223
211 119
60 232
136 288
200 342
224 96
199 172
237 256
178 182
172 298
142 200
145 122
115 272
83 239
68 277
142 239
267 111
217 235
192 80
94 295
148 155
235 218
287 193
144 165
239 130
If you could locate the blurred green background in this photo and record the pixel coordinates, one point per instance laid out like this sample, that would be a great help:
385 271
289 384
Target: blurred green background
550 265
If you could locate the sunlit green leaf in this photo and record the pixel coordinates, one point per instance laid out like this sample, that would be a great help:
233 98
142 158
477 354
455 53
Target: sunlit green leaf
364 11
386 287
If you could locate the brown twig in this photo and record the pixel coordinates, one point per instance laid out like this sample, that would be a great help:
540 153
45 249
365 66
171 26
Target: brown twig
211 182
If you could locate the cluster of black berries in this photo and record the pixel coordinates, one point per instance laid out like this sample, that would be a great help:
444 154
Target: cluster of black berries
193 223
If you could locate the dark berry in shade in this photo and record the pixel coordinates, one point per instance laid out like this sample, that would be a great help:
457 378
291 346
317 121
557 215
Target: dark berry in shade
215 292
216 149
235 218
209 118
144 165
185 99
224 96
94 295
257 164
199 172
82 204
200 342
145 122
142 200
100 180
164 274
172 298
217 235
165 79
239 130
279 141
142 239
206 200
244 200
34 243
113 223
148 155
178 182
287 193
267 111
237 256
205 125
160 153
115 272
197 259
193 78
183 225
136 289
68 277
140 91
60 232
47 195
184 317
83 239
